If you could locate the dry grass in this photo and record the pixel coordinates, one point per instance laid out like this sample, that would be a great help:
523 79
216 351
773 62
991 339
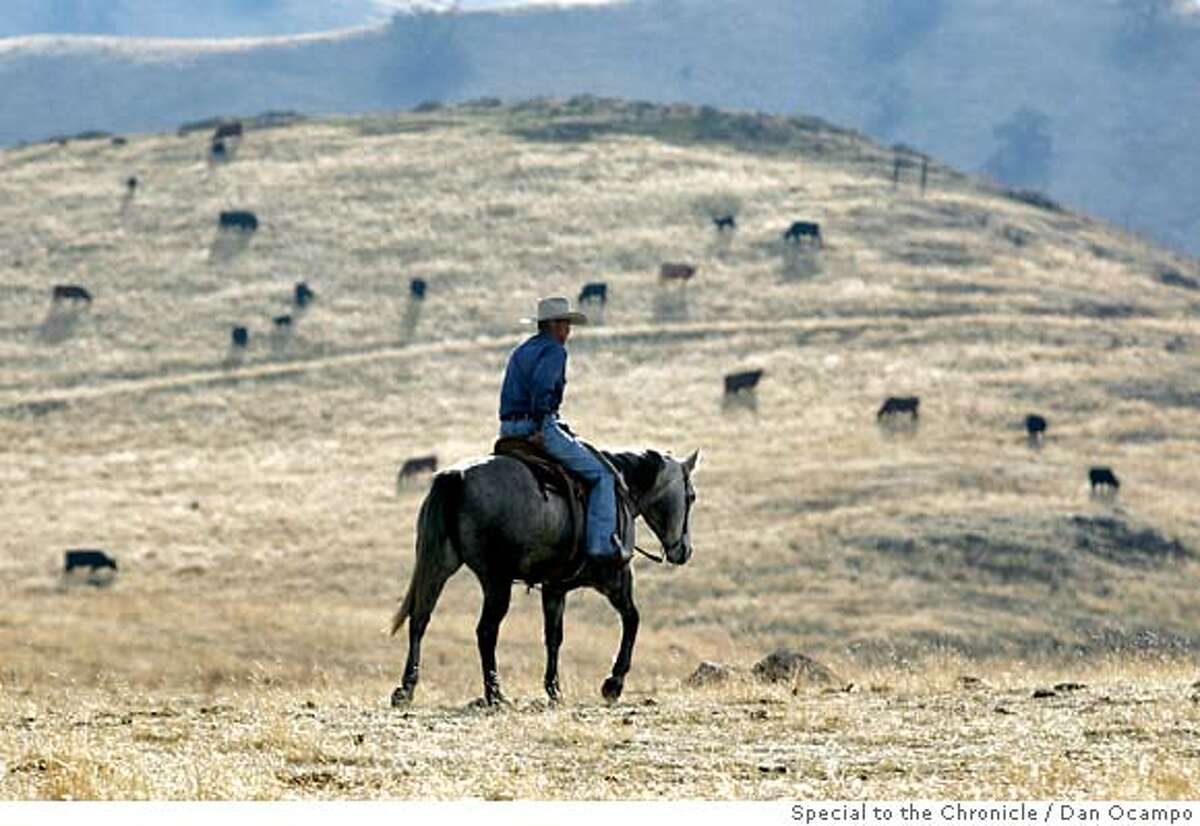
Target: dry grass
252 501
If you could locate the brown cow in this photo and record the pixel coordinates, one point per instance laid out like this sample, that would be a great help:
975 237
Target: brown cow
676 272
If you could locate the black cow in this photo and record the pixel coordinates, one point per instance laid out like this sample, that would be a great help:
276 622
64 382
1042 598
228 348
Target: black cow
239 219
1035 426
87 559
230 129
119 141
595 291
131 183
419 464
241 337
282 322
799 230
676 272
1098 476
303 294
416 288
746 380
724 222
899 404
217 150
70 291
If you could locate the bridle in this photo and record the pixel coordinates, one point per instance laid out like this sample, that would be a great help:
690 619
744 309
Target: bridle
668 550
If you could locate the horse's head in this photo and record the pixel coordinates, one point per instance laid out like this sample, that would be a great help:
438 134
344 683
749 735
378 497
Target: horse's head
666 503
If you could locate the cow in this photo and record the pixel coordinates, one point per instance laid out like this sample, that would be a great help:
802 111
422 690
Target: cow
737 382
800 230
70 291
676 272
240 337
282 322
217 150
1035 426
595 291
1098 476
303 294
899 404
229 129
131 183
239 219
416 288
119 141
417 464
723 222
93 559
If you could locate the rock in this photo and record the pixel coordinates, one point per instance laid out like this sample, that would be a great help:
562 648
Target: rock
1042 693
1003 710
967 681
784 665
709 673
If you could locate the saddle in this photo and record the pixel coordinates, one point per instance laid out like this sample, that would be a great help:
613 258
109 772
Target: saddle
554 479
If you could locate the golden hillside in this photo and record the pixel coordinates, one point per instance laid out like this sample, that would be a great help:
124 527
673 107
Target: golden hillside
251 499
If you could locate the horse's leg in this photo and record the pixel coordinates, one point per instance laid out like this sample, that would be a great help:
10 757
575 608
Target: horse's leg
620 595
496 595
553 603
417 624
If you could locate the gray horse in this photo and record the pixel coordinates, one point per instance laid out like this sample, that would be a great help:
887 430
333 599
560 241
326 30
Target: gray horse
491 515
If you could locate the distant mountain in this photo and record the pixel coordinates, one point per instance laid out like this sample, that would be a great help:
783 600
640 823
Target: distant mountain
1093 103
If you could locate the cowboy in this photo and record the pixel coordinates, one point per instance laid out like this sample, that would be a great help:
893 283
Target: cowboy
532 392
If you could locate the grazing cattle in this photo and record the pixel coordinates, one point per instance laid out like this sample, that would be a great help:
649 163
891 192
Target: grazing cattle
416 288
303 294
1035 426
87 559
800 230
282 322
1098 476
746 380
229 129
217 150
131 183
241 337
724 222
238 219
119 141
419 464
676 272
595 291
899 404
70 291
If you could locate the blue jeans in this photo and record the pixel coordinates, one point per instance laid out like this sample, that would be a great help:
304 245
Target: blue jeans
602 501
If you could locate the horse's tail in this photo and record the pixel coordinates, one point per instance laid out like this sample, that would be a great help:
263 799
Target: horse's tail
437 546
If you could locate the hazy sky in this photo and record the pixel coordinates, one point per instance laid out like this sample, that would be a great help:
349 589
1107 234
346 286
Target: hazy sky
212 18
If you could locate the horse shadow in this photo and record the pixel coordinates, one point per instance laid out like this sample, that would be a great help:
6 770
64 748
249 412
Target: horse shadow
228 244
58 325
671 305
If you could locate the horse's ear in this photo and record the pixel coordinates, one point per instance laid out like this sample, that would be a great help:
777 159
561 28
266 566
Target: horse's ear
690 462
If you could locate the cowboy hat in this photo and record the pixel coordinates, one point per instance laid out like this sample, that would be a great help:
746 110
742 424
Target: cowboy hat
556 308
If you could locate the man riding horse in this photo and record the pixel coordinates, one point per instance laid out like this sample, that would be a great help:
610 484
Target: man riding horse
529 401
494 515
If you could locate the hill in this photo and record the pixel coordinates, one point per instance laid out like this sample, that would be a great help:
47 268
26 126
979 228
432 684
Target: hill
251 497
1093 104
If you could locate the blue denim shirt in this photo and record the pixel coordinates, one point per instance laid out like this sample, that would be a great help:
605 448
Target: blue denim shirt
535 378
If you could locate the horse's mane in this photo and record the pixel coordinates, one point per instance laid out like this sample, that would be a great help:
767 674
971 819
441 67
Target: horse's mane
640 468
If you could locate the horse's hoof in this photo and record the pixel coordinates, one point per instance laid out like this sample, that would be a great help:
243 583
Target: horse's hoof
401 696
611 690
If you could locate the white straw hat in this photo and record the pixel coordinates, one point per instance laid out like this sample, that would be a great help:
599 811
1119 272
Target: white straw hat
556 308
